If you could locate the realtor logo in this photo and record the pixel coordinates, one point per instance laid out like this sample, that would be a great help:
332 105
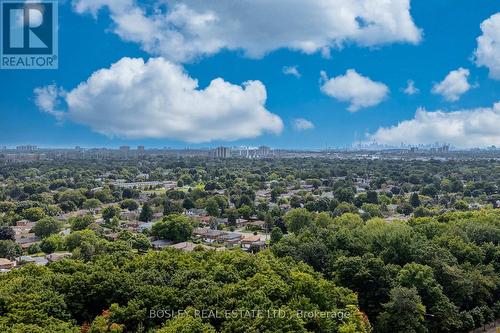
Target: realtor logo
28 34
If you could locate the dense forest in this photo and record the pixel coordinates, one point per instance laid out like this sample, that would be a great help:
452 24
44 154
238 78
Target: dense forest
353 246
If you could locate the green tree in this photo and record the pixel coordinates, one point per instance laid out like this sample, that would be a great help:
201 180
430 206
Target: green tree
371 210
104 324
177 228
146 213
81 222
245 211
34 248
415 200
232 215
212 207
443 315
170 207
276 235
109 212
405 208
372 197
344 194
52 243
141 242
91 204
46 227
404 313
9 249
34 214
186 324
137 241
7 233
298 219
188 203
129 204
461 205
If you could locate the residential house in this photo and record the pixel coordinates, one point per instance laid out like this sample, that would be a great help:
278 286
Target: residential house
213 235
196 212
161 244
57 256
128 215
6 264
257 224
157 216
241 223
144 226
26 240
251 240
189 247
39 261
203 220
230 239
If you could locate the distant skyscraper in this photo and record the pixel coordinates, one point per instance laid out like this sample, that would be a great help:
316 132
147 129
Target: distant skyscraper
222 152
264 151
124 150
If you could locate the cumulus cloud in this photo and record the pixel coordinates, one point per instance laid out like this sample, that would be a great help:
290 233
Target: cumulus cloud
488 46
463 128
157 99
47 99
185 30
358 90
292 70
454 85
410 88
301 124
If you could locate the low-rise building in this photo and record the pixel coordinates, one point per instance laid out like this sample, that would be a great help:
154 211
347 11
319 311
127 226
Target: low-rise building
26 240
189 247
144 226
161 244
6 264
230 239
39 261
57 256
257 224
250 241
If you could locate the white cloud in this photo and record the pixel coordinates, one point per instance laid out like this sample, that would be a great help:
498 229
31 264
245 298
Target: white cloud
410 88
301 124
464 128
358 90
488 46
292 70
454 85
47 99
157 99
185 30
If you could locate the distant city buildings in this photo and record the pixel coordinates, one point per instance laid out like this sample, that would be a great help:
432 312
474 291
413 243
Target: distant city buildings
263 151
221 152
251 152
443 149
32 153
27 148
124 151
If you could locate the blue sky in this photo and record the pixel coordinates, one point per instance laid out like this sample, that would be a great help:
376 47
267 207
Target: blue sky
448 43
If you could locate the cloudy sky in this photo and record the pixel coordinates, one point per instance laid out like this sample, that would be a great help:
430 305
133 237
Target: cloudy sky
295 74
